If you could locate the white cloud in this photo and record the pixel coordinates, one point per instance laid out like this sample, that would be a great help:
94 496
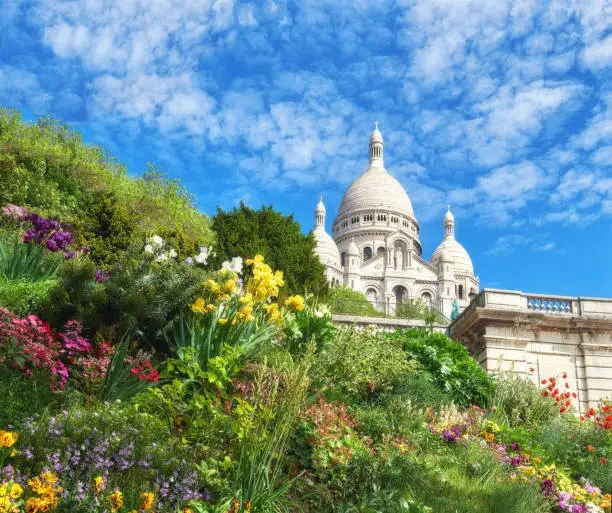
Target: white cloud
599 54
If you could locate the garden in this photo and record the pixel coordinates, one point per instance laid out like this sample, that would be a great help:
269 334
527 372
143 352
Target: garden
152 362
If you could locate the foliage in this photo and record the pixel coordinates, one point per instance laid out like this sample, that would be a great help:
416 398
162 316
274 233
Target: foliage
345 300
312 323
449 363
26 262
141 295
45 166
516 402
24 296
244 231
362 364
126 377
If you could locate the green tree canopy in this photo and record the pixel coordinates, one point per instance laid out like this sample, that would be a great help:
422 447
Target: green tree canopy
246 232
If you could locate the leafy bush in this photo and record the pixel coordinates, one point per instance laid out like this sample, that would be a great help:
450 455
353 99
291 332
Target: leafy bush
22 296
517 402
362 364
345 300
449 364
311 324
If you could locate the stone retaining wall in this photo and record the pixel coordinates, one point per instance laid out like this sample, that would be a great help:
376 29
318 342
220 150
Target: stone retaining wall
550 334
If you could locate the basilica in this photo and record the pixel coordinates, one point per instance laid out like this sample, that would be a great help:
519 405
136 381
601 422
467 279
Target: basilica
375 248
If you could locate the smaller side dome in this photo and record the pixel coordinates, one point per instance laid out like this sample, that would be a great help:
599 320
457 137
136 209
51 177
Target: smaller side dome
326 249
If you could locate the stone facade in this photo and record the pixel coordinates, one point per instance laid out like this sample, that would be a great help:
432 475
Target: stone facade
550 334
375 246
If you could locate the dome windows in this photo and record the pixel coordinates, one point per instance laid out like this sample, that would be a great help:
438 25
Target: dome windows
381 217
368 218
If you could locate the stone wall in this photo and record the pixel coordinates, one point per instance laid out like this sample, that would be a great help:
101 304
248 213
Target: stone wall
550 334
381 323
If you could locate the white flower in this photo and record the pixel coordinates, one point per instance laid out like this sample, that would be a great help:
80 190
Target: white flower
172 253
156 240
226 265
236 265
148 248
162 257
319 313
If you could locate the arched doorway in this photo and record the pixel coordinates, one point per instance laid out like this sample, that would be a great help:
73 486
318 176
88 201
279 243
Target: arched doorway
427 299
372 296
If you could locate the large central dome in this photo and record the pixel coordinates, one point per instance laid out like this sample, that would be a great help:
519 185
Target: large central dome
376 189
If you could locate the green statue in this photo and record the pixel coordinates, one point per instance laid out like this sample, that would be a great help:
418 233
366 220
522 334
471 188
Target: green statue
455 310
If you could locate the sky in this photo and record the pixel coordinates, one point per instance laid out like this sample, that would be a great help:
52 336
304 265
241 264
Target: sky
502 109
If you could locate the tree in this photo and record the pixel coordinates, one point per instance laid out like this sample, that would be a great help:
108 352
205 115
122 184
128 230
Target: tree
246 232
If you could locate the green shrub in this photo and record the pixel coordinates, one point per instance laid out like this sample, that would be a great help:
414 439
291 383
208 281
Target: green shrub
517 402
22 398
22 297
140 295
449 363
345 300
361 364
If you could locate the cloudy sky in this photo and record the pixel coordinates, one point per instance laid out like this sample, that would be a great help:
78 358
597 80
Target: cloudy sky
501 108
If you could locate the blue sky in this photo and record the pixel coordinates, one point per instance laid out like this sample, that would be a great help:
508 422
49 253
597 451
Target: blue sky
501 108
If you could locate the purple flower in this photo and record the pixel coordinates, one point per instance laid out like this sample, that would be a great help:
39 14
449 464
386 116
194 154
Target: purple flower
515 446
100 276
548 488
28 236
188 261
69 255
449 436
51 245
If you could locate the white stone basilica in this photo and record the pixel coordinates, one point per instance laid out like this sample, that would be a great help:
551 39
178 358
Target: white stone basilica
375 247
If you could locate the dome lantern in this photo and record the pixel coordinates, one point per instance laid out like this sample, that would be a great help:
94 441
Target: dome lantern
449 224
320 215
376 147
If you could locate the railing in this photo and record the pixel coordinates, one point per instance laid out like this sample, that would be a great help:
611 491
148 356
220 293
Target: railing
542 303
549 304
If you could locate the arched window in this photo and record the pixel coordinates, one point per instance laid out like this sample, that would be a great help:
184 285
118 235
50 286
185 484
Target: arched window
460 293
426 298
380 250
343 259
367 253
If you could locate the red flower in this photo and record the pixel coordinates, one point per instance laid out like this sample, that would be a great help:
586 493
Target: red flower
574 395
602 460
562 410
544 382
567 385
590 448
607 408
531 369
564 375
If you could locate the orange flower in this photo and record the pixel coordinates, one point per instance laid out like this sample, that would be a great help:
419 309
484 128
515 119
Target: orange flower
590 448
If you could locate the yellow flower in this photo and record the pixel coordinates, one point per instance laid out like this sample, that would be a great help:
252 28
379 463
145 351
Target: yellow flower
13 453
199 306
147 500
210 307
295 303
258 259
212 286
222 322
15 491
7 439
116 500
230 286
98 484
